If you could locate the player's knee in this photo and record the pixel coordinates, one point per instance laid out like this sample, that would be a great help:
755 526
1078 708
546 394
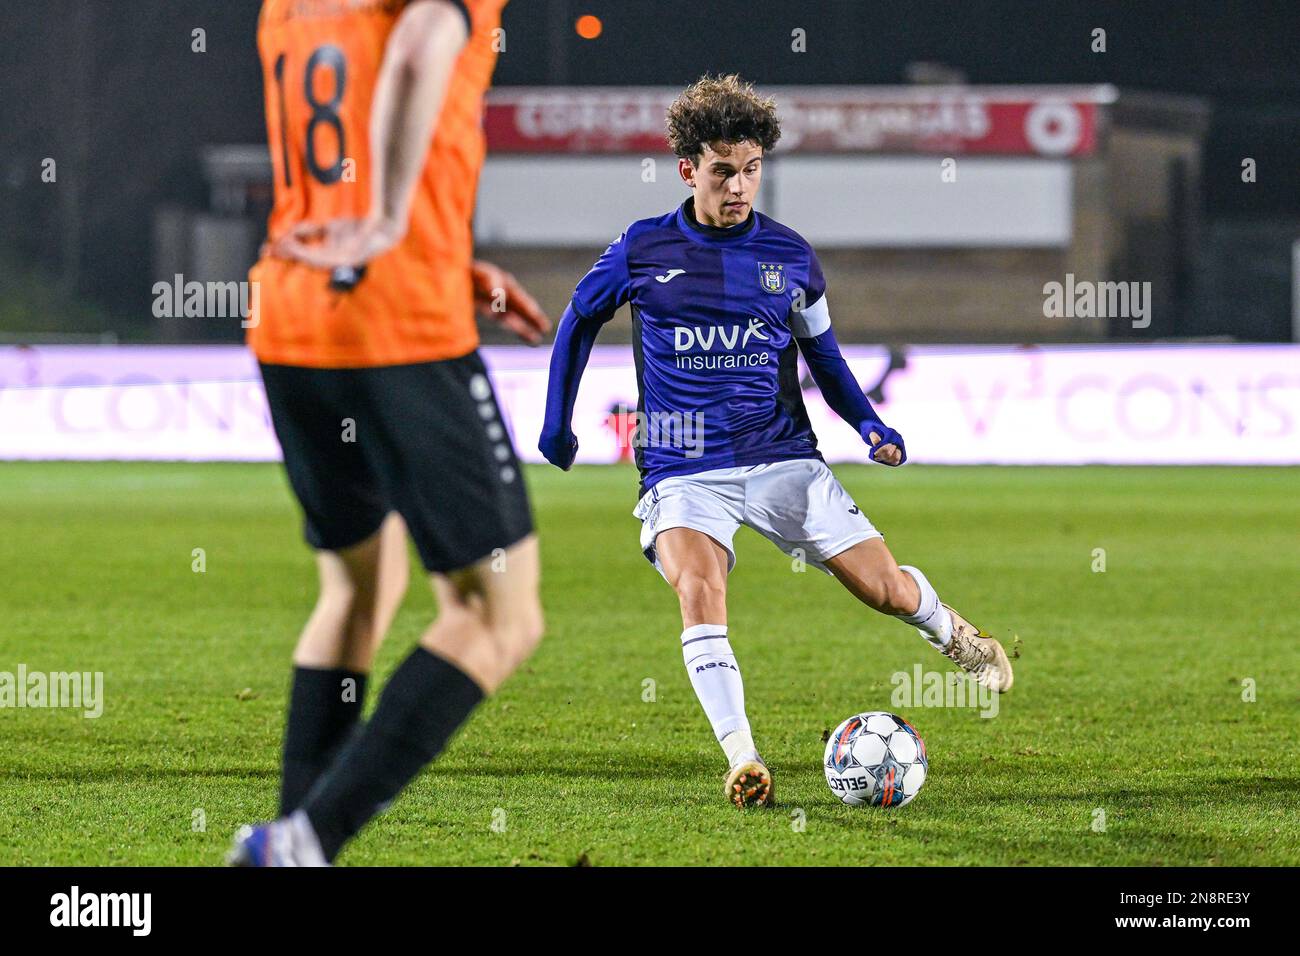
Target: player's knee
369 609
457 631
363 628
358 602
519 636
700 591
335 600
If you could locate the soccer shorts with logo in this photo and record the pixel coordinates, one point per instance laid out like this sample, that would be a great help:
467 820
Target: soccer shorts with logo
425 440
799 506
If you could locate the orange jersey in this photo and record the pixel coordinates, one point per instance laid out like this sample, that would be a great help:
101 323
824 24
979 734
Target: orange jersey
321 60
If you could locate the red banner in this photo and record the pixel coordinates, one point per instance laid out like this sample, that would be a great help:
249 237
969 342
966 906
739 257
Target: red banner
1024 121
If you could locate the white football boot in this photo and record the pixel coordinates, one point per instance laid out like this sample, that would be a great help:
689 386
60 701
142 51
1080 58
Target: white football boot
978 654
289 841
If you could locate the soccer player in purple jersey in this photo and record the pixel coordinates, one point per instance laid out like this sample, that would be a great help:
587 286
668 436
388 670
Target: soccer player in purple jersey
723 300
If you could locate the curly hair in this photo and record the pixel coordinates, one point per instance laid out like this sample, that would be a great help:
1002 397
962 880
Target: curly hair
720 109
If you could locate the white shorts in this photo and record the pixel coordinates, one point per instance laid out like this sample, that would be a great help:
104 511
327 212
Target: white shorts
799 506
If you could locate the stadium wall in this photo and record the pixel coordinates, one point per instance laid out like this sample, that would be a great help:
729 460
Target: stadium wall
940 213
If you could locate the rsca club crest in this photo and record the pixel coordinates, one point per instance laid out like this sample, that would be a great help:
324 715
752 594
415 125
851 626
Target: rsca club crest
772 277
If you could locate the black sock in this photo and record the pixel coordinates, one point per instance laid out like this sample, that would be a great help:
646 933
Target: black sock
323 710
425 701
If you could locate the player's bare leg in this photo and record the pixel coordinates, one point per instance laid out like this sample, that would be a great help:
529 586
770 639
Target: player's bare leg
696 567
489 615
360 590
489 621
871 574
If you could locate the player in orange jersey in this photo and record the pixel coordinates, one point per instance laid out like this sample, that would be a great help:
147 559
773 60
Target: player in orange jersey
367 343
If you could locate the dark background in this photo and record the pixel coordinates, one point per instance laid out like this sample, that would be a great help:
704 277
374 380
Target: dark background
112 91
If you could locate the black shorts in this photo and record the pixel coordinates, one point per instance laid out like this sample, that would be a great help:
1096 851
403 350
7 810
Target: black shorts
424 440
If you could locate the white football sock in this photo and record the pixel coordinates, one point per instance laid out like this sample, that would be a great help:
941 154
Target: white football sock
714 674
931 618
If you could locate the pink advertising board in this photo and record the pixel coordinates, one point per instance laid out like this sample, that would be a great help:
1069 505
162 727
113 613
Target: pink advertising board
1202 404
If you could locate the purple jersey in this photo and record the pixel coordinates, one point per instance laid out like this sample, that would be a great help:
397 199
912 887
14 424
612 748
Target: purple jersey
715 314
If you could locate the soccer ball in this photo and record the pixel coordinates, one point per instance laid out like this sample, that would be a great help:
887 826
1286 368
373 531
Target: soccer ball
875 759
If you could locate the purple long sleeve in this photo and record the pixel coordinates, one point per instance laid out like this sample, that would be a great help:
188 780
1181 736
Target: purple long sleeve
573 341
836 381
595 300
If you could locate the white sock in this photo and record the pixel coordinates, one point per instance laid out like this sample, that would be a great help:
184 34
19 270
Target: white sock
931 618
714 674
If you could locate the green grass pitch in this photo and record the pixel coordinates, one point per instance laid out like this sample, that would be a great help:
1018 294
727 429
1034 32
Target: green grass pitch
1128 698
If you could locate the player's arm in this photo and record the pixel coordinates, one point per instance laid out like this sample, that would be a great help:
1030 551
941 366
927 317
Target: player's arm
595 300
409 93
834 378
573 341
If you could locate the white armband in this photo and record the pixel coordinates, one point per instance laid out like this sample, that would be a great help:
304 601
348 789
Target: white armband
812 321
